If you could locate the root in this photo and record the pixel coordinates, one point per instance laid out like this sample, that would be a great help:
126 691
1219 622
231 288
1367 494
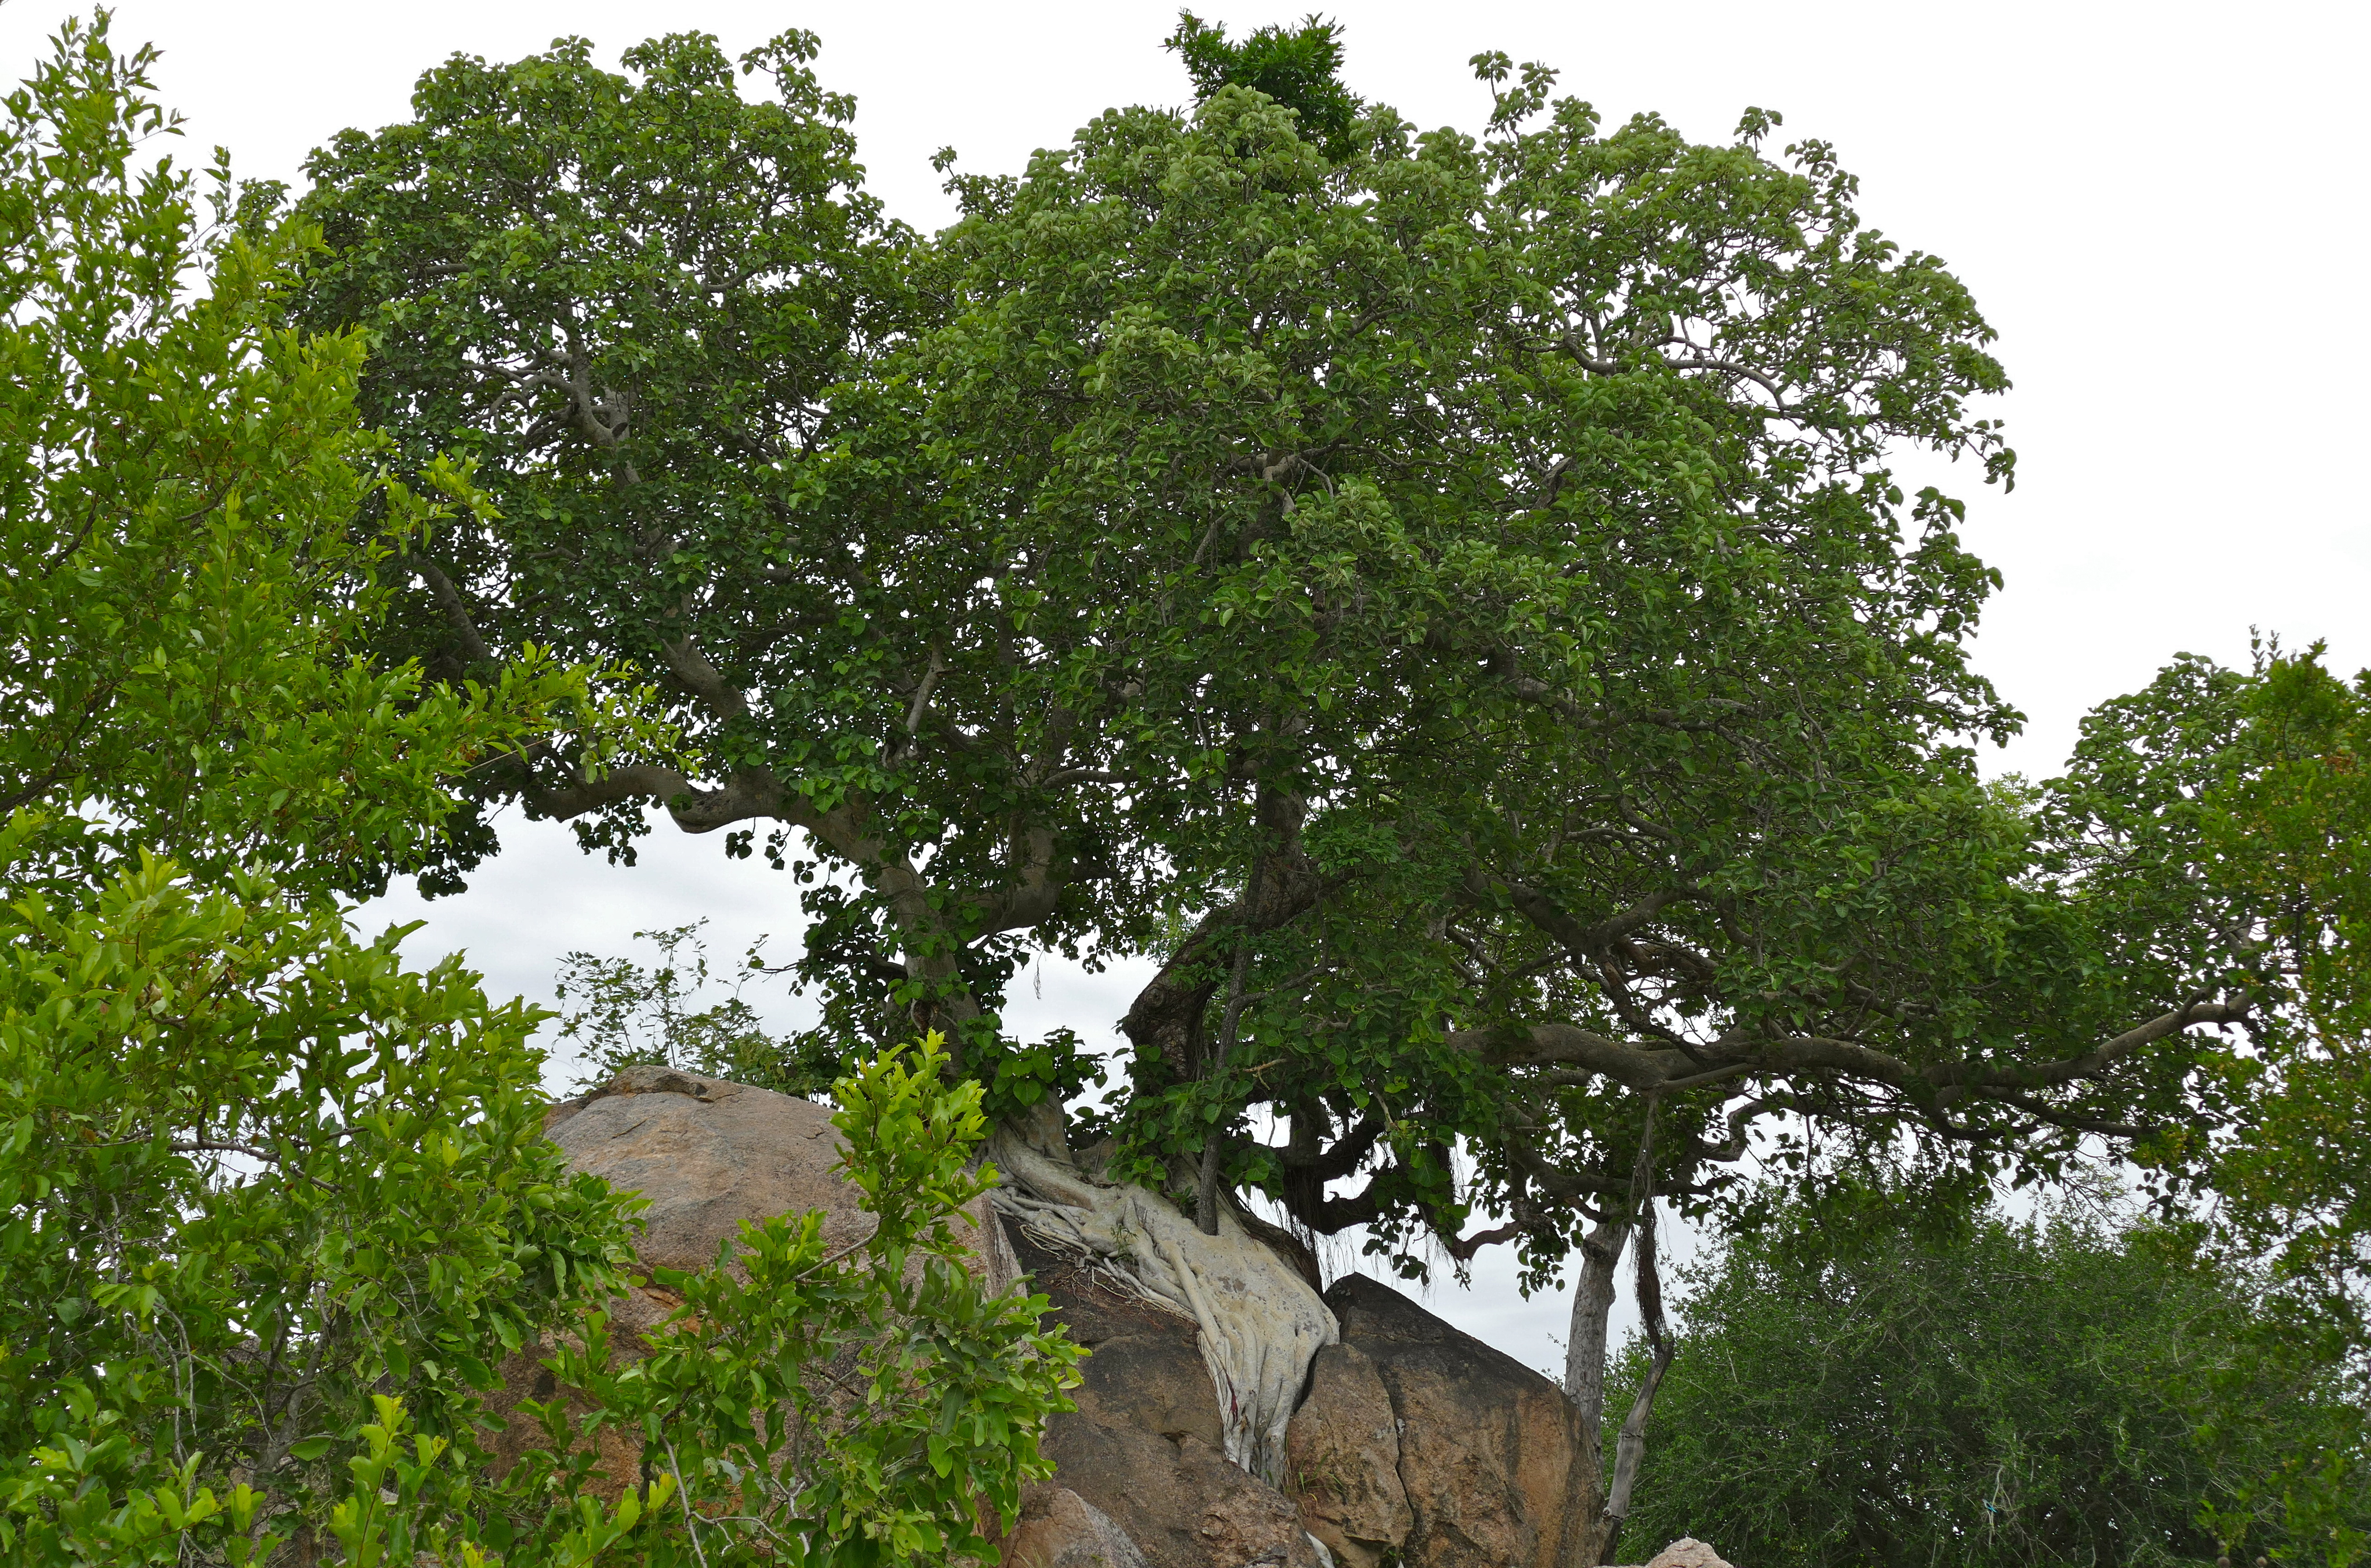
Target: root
1259 1324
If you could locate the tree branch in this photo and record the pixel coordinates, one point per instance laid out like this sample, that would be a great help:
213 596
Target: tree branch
686 663
449 600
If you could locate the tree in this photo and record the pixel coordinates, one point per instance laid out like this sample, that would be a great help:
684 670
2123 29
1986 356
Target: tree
626 1015
204 1072
1300 68
1448 598
2227 812
2001 1392
187 675
270 1202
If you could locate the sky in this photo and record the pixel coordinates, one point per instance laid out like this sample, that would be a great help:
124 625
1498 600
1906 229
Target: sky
2158 207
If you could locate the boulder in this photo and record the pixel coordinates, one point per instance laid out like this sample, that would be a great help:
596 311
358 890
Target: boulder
1483 1440
1343 1455
705 1155
1182 1503
1144 1366
1687 1552
1413 1442
1058 1529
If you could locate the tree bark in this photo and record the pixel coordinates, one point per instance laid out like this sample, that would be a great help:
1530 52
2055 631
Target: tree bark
1580 1534
1206 1191
1583 1533
1630 1447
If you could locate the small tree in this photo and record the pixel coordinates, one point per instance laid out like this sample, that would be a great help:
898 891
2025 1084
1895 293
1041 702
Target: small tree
1997 1393
2227 812
272 1206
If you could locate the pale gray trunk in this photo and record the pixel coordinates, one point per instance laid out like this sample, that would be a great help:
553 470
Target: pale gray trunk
1630 1446
1592 1309
1578 1535
1584 1534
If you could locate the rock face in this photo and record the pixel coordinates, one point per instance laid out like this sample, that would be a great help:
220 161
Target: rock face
1343 1452
707 1155
1412 1443
1182 1503
1060 1529
1483 1440
1143 1366
1143 1449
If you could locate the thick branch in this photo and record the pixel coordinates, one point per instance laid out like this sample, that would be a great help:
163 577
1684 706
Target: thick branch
1661 1066
2092 1063
686 663
449 600
748 793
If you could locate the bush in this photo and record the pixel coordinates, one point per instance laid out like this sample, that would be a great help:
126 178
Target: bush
2014 1394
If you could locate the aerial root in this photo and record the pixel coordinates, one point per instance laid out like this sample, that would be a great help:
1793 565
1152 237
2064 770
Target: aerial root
1257 1321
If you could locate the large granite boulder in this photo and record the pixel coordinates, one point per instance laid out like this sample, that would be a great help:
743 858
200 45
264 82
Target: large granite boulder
1182 1503
1484 1441
1413 1442
705 1155
1342 1456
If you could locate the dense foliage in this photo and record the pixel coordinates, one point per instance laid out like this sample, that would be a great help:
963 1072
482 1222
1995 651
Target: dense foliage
1432 551
2004 1394
1449 598
2229 812
186 615
273 1208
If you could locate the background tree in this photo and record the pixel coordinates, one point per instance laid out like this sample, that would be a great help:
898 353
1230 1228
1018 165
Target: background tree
673 1015
2004 1393
2227 812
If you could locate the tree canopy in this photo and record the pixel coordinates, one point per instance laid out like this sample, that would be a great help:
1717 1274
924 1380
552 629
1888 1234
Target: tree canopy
1463 577
1450 599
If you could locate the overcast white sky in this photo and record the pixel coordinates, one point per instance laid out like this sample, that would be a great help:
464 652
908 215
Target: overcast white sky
2162 208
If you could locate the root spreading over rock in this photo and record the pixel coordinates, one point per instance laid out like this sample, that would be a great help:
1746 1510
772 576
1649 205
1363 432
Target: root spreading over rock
1259 1323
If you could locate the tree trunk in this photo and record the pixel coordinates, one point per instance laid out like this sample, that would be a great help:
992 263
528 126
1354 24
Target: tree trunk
1593 1515
1580 1538
1214 1141
1630 1447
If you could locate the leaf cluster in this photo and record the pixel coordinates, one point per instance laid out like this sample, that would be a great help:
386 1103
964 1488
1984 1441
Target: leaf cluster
276 1211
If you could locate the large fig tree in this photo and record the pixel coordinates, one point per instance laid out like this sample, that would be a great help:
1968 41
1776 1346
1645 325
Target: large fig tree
1447 597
